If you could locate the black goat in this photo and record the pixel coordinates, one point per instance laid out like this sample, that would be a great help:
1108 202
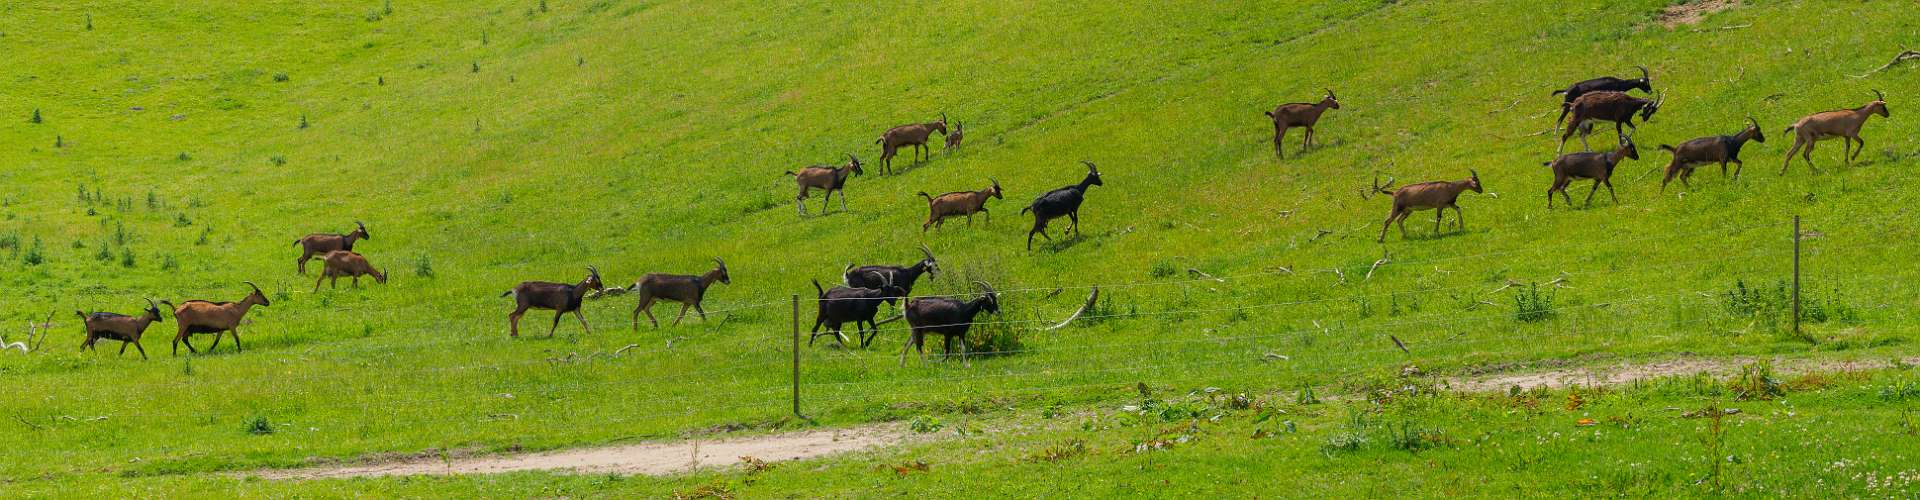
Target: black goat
852 305
562 298
1605 83
1061 202
947 317
902 276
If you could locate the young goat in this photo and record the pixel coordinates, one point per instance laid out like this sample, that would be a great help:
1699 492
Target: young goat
346 263
907 135
825 178
1596 166
1616 107
321 243
1824 125
687 290
1299 114
841 305
121 327
947 317
1437 196
960 203
877 277
1719 148
1061 202
953 139
200 316
1601 84
561 298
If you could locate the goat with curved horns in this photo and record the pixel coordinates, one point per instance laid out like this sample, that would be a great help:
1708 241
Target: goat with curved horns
1437 196
1844 124
842 304
1596 166
200 316
561 298
1299 114
947 317
825 178
1057 203
121 327
320 243
686 289
1616 107
915 135
1719 148
877 277
960 203
1601 84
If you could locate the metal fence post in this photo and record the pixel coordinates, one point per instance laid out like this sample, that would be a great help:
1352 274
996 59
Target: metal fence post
1796 275
796 356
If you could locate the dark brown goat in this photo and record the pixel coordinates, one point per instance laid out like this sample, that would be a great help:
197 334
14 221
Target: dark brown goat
1844 124
825 178
1601 84
947 317
685 289
1437 196
901 276
1616 107
953 139
320 243
1719 148
1299 114
121 327
1596 166
960 203
907 135
200 316
346 263
842 304
561 298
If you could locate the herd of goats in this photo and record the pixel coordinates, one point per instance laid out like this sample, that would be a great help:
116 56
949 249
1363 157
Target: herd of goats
1605 99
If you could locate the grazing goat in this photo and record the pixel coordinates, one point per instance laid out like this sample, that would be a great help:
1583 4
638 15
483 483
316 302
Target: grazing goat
953 139
947 317
1299 114
1596 166
842 304
562 298
825 178
687 290
200 316
878 277
320 243
121 327
1061 202
346 263
1601 84
907 135
1824 125
1616 107
1719 148
959 203
1437 196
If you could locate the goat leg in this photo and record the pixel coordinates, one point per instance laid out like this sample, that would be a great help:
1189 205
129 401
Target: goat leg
235 332
683 315
1590 193
513 321
123 348
1610 193
1460 219
143 350
556 323
702 312
1858 149
583 322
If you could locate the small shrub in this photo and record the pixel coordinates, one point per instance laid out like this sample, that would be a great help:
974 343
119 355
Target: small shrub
167 263
9 240
423 266
1163 269
303 120
1757 382
259 426
153 200
476 67
1070 449
126 257
34 256
1530 304
59 142
925 424
105 253
277 160
280 77
1410 437
36 117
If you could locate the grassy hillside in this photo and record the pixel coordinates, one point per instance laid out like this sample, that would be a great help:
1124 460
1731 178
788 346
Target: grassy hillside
181 148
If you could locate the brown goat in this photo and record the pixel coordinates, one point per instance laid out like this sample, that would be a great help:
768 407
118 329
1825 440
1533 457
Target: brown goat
825 178
953 139
1596 166
685 289
320 243
1719 148
1616 107
959 203
1299 114
346 263
1437 196
121 327
1824 125
200 316
907 135
561 298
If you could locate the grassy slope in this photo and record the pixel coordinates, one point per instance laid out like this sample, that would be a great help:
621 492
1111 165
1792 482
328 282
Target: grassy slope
649 137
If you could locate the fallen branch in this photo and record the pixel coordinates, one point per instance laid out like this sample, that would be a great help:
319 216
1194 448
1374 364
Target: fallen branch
1091 298
1903 56
1376 265
623 350
1397 343
1202 274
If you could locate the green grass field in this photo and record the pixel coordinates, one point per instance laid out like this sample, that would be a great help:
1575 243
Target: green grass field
179 148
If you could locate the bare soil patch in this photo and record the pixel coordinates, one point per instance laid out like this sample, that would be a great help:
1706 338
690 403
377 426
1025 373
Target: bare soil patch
656 458
1690 13
1624 373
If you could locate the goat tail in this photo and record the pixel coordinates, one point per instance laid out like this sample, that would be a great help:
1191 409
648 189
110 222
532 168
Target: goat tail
923 194
83 315
296 242
508 292
1561 91
1543 164
1791 127
790 172
1023 210
1668 148
817 289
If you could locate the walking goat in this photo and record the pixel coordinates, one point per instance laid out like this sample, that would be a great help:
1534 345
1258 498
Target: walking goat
1601 84
1616 107
947 317
1437 196
1844 124
1596 166
121 327
1061 202
200 316
1299 114
907 135
1719 148
960 203
841 305
878 277
346 263
825 178
685 289
561 298
321 243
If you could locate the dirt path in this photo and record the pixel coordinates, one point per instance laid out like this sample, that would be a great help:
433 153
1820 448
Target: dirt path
1624 373
659 458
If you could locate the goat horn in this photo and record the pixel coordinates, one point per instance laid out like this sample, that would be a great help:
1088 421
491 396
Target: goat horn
1756 123
1090 166
1329 92
255 287
1643 73
927 251
152 305
1476 175
593 270
943 117
1879 96
983 284
722 263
